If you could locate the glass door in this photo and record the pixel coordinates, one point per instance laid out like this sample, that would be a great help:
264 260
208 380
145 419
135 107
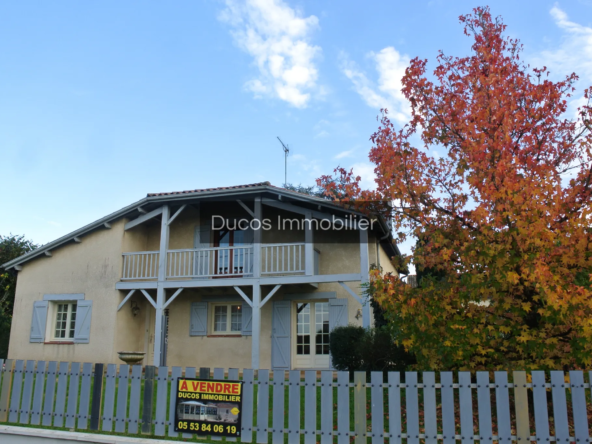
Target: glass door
311 338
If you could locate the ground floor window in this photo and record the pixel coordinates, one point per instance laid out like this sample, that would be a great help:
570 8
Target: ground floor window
227 318
312 334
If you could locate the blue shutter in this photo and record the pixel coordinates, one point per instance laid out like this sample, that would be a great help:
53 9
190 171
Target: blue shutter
280 336
83 318
247 317
199 319
338 316
39 321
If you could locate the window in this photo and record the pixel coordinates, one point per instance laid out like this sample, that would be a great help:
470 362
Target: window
227 319
65 321
319 312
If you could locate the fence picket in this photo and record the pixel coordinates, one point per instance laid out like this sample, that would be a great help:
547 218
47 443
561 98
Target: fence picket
394 405
277 429
263 406
73 395
343 415
232 376
377 395
84 396
176 373
50 383
360 407
465 401
17 384
578 400
448 429
97 398
190 372
109 397
326 407
502 403
27 392
310 407
38 395
294 408
218 374
134 409
122 392
247 419
521 405
161 400
412 407
429 409
559 407
60 406
541 413
484 406
6 389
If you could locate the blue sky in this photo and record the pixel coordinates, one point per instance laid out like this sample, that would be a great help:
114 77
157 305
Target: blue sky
103 102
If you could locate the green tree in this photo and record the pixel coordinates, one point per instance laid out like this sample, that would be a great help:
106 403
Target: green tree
11 247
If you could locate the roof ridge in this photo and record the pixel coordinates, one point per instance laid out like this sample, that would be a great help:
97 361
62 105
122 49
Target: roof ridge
202 190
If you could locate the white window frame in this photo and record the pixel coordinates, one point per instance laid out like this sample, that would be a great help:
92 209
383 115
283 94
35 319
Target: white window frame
52 313
212 317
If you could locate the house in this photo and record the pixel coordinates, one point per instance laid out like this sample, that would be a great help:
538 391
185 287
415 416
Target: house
250 276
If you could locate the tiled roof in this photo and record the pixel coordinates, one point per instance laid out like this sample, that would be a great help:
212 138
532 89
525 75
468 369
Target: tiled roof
235 187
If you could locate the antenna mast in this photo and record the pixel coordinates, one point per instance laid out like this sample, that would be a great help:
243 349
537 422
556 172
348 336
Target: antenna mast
286 151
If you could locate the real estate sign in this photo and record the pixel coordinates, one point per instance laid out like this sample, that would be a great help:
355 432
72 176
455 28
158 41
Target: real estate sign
209 407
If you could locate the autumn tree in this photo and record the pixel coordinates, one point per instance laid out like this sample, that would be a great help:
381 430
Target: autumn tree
494 177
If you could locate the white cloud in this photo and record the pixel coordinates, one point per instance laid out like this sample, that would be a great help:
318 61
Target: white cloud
277 37
347 153
366 172
386 93
574 53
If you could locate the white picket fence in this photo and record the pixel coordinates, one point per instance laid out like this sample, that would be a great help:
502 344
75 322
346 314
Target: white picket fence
311 406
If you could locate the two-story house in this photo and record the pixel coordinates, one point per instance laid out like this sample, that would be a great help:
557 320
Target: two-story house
244 276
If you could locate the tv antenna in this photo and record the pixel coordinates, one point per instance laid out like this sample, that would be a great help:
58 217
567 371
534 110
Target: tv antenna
286 152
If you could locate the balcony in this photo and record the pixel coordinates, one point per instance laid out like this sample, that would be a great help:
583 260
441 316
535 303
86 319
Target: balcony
218 262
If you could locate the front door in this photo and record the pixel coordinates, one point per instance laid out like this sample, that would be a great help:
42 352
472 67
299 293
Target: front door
310 344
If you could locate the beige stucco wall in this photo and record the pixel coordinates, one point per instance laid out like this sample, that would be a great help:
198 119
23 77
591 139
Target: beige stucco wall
93 267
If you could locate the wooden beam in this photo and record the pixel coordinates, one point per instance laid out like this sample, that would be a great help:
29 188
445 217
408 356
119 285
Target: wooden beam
271 293
244 296
18 267
107 225
145 293
353 293
142 210
142 219
174 216
129 295
304 211
77 240
47 253
247 209
172 298
365 274
308 247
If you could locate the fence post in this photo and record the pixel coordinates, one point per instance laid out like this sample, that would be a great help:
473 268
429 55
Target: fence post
148 399
521 405
95 410
6 389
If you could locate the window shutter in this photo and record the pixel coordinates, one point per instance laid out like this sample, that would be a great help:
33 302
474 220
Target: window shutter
247 329
83 318
39 321
338 316
202 259
199 319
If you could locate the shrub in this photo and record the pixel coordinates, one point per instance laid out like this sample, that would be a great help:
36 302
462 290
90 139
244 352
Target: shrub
354 348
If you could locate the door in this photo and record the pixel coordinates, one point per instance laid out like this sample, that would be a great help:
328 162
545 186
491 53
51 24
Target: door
310 346
280 336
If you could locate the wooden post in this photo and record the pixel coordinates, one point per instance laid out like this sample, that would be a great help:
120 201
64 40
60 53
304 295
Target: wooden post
97 395
365 275
257 237
160 291
308 245
148 399
256 326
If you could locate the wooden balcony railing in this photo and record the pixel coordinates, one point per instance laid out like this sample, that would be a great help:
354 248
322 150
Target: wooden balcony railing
204 263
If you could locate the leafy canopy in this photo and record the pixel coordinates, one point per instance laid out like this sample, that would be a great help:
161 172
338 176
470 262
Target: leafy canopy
495 181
